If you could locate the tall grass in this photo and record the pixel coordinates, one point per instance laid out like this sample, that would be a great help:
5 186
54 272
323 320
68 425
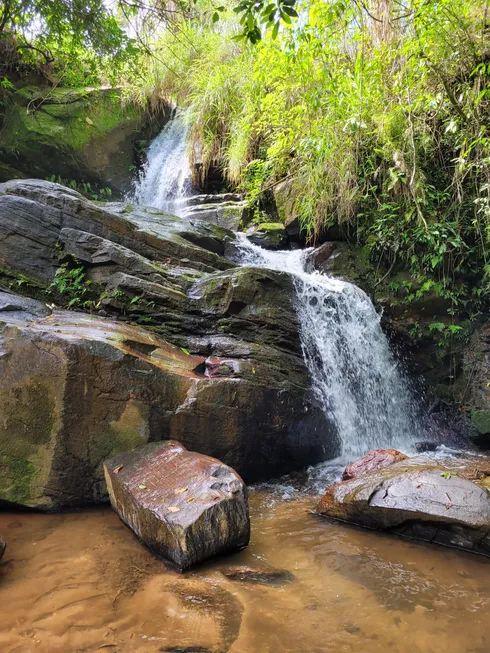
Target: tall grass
380 111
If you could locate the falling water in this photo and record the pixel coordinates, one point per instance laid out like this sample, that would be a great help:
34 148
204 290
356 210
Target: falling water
354 374
166 176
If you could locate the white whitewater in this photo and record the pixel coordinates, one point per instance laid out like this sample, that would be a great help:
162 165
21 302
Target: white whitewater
354 374
166 177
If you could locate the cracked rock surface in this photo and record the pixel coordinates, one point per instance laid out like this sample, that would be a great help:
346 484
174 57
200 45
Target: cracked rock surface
185 506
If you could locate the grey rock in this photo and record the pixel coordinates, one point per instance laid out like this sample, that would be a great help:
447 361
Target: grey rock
420 499
271 235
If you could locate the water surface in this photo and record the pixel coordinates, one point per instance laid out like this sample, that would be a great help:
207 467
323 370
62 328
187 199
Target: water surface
82 582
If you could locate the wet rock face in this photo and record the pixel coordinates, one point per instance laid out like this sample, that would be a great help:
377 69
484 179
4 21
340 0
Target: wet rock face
373 460
185 506
321 257
421 499
269 235
77 388
217 365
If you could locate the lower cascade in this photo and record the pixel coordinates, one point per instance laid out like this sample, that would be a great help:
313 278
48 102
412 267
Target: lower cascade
354 375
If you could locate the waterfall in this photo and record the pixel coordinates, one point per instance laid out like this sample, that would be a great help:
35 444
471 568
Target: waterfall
166 176
355 377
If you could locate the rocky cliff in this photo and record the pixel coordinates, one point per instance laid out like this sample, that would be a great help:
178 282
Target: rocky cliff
166 339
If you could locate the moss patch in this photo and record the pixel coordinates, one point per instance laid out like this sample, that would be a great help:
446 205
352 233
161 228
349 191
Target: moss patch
127 433
68 133
481 421
24 445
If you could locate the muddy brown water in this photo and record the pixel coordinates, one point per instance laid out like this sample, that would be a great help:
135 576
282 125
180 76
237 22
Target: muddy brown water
82 582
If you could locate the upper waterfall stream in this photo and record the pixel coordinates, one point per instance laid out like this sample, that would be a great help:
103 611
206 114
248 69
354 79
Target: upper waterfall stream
166 176
355 377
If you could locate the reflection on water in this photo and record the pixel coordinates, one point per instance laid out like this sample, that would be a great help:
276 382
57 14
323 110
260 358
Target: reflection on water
82 582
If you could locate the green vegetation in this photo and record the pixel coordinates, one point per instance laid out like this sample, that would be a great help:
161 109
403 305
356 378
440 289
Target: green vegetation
72 286
91 191
379 112
375 112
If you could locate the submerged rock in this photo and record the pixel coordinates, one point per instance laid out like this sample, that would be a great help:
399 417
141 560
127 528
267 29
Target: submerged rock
3 546
421 499
258 575
373 460
185 506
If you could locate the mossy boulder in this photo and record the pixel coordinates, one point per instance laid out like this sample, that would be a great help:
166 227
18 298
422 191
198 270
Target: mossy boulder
474 385
269 235
85 135
288 198
227 210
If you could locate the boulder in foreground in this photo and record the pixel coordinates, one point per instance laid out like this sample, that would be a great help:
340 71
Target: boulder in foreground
184 506
421 499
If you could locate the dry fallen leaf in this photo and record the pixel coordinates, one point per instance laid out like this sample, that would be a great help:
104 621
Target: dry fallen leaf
184 489
173 509
162 500
118 469
142 486
189 499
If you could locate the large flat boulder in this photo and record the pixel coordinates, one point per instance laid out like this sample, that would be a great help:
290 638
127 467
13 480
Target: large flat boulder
228 210
185 506
446 503
77 388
